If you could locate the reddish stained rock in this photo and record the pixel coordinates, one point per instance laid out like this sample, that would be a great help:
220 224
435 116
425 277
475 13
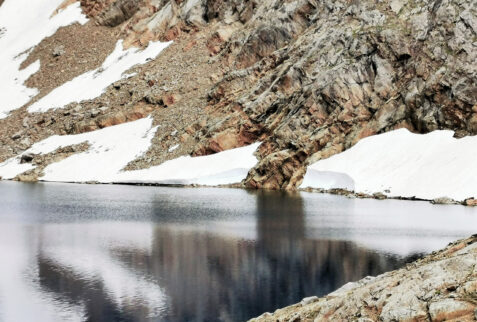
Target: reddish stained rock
471 202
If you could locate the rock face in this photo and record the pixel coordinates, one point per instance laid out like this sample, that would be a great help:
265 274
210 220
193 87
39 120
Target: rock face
118 12
440 287
336 72
307 78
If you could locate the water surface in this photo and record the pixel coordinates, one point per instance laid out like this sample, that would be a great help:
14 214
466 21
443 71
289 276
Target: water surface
125 253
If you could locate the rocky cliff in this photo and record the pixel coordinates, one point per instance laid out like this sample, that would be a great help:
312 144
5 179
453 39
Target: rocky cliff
307 78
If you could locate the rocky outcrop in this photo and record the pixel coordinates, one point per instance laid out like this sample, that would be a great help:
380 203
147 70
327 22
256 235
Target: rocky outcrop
439 287
118 12
339 79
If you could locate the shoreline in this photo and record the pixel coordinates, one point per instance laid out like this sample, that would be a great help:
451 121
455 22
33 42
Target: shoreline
469 202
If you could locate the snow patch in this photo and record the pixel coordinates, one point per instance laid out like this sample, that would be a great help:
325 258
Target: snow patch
23 25
112 148
225 167
173 148
402 164
94 83
12 167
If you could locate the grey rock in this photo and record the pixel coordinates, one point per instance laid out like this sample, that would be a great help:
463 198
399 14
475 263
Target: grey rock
78 108
397 5
17 135
444 201
95 113
58 51
25 142
449 308
119 12
27 158
309 300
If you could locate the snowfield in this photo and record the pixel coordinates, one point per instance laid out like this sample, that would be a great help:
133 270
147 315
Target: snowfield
23 25
93 84
402 164
111 149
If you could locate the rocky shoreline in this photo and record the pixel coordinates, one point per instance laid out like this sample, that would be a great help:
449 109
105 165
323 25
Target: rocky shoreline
470 202
439 287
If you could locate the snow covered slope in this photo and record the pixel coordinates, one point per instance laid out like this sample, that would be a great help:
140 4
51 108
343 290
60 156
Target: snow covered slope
93 83
402 164
226 167
23 25
112 148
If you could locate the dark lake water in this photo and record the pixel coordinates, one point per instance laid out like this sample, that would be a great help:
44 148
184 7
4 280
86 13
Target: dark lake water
124 253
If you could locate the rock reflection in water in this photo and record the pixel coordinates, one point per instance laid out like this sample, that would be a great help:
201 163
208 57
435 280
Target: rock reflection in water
154 254
218 276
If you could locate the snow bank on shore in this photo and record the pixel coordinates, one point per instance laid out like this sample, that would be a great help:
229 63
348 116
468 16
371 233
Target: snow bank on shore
94 83
112 148
23 25
226 167
402 164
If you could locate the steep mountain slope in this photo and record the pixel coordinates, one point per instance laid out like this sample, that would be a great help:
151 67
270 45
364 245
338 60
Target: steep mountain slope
308 79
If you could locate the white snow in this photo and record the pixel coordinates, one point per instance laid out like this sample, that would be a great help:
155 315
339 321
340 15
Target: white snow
23 25
93 83
173 148
112 148
402 164
225 167
12 167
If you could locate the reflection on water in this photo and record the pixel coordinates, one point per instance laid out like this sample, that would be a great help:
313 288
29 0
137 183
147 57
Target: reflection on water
120 253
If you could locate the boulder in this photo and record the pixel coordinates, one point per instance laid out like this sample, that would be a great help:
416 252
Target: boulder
449 309
119 12
27 158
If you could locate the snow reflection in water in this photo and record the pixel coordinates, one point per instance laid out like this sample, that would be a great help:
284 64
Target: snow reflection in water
97 253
